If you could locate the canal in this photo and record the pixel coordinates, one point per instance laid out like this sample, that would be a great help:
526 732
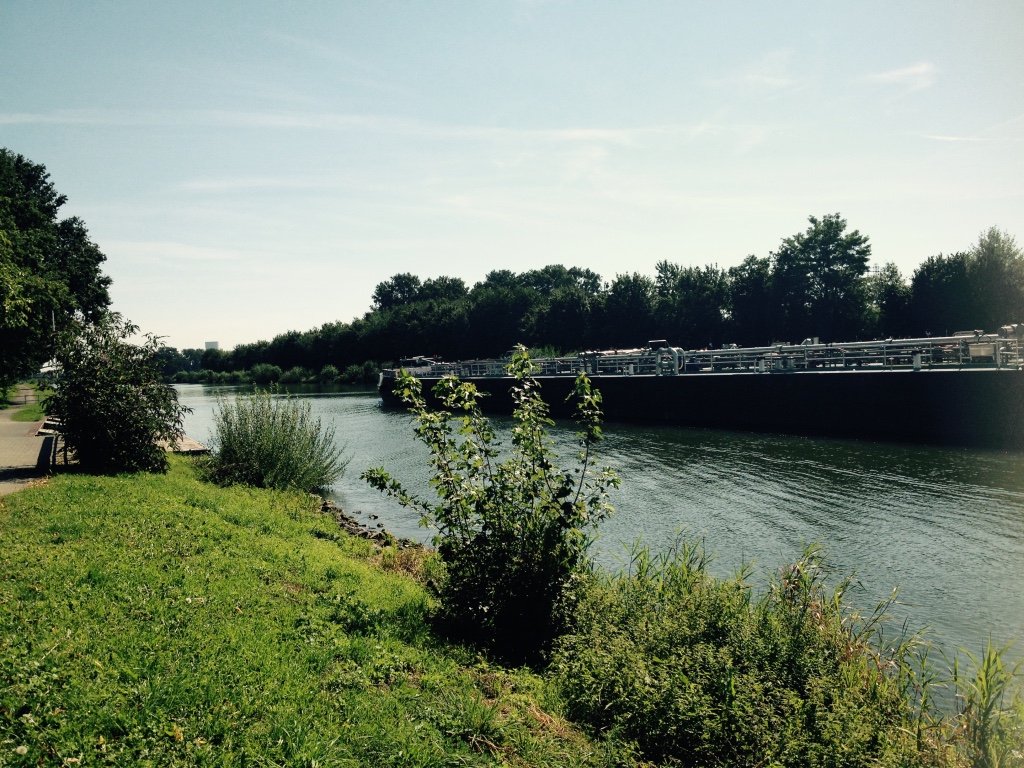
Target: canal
945 525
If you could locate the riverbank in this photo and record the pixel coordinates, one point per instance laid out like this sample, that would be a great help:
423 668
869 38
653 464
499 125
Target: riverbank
160 620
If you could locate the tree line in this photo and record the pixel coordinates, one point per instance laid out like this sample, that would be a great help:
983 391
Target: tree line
817 283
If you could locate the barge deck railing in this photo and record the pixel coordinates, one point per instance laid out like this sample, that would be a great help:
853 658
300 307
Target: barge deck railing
1002 350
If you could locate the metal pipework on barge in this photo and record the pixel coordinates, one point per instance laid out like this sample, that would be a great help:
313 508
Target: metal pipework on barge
965 389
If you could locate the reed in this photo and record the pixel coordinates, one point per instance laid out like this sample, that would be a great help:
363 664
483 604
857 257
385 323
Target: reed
268 441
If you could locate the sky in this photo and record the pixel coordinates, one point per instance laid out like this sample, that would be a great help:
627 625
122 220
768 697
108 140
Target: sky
251 168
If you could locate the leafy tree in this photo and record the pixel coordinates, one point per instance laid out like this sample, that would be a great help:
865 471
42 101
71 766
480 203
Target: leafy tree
499 278
328 374
512 532
401 289
818 278
752 304
889 301
995 268
111 399
443 288
566 321
554 276
265 373
498 317
628 319
692 304
49 269
940 296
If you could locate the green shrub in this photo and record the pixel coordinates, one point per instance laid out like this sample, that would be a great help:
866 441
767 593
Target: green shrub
699 670
361 374
272 442
512 533
264 373
111 399
296 375
328 374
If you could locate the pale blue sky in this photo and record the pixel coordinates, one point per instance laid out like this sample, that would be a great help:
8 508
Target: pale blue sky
250 168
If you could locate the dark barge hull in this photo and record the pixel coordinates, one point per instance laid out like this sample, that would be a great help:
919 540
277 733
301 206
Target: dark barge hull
964 407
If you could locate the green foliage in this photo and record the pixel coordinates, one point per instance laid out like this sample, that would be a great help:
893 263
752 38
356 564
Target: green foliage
991 710
296 375
818 280
996 271
889 303
111 399
49 268
815 284
161 621
691 304
328 374
272 442
513 533
264 373
366 373
696 670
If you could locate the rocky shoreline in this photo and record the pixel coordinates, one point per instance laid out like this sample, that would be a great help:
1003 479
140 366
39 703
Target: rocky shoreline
376 534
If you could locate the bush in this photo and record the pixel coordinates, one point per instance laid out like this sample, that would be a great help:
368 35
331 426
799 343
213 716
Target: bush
264 373
328 375
366 373
112 401
698 670
272 442
512 533
295 375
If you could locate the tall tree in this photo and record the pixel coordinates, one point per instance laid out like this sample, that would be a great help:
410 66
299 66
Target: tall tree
49 269
753 309
995 268
628 319
692 305
819 280
889 303
940 296
443 288
565 321
401 289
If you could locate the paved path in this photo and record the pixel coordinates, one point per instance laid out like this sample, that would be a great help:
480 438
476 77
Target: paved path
23 456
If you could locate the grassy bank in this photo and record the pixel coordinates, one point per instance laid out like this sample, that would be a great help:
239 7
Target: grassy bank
158 620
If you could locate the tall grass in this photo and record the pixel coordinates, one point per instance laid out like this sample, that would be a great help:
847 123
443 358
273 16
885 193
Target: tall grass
272 442
706 671
990 709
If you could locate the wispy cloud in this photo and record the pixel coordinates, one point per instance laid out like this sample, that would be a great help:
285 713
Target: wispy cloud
771 73
151 251
953 138
914 78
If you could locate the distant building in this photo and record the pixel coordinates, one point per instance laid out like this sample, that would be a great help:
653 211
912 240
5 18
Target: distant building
213 345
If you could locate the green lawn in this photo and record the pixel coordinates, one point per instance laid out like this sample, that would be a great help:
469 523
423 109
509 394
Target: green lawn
30 413
159 620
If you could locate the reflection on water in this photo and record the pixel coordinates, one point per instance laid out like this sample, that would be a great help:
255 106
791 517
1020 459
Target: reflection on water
945 525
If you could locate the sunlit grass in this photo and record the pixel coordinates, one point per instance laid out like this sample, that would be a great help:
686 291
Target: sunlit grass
158 620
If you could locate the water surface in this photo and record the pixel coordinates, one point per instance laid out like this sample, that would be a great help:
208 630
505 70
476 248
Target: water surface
945 525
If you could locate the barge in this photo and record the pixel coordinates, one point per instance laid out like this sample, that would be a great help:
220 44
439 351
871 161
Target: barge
965 390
